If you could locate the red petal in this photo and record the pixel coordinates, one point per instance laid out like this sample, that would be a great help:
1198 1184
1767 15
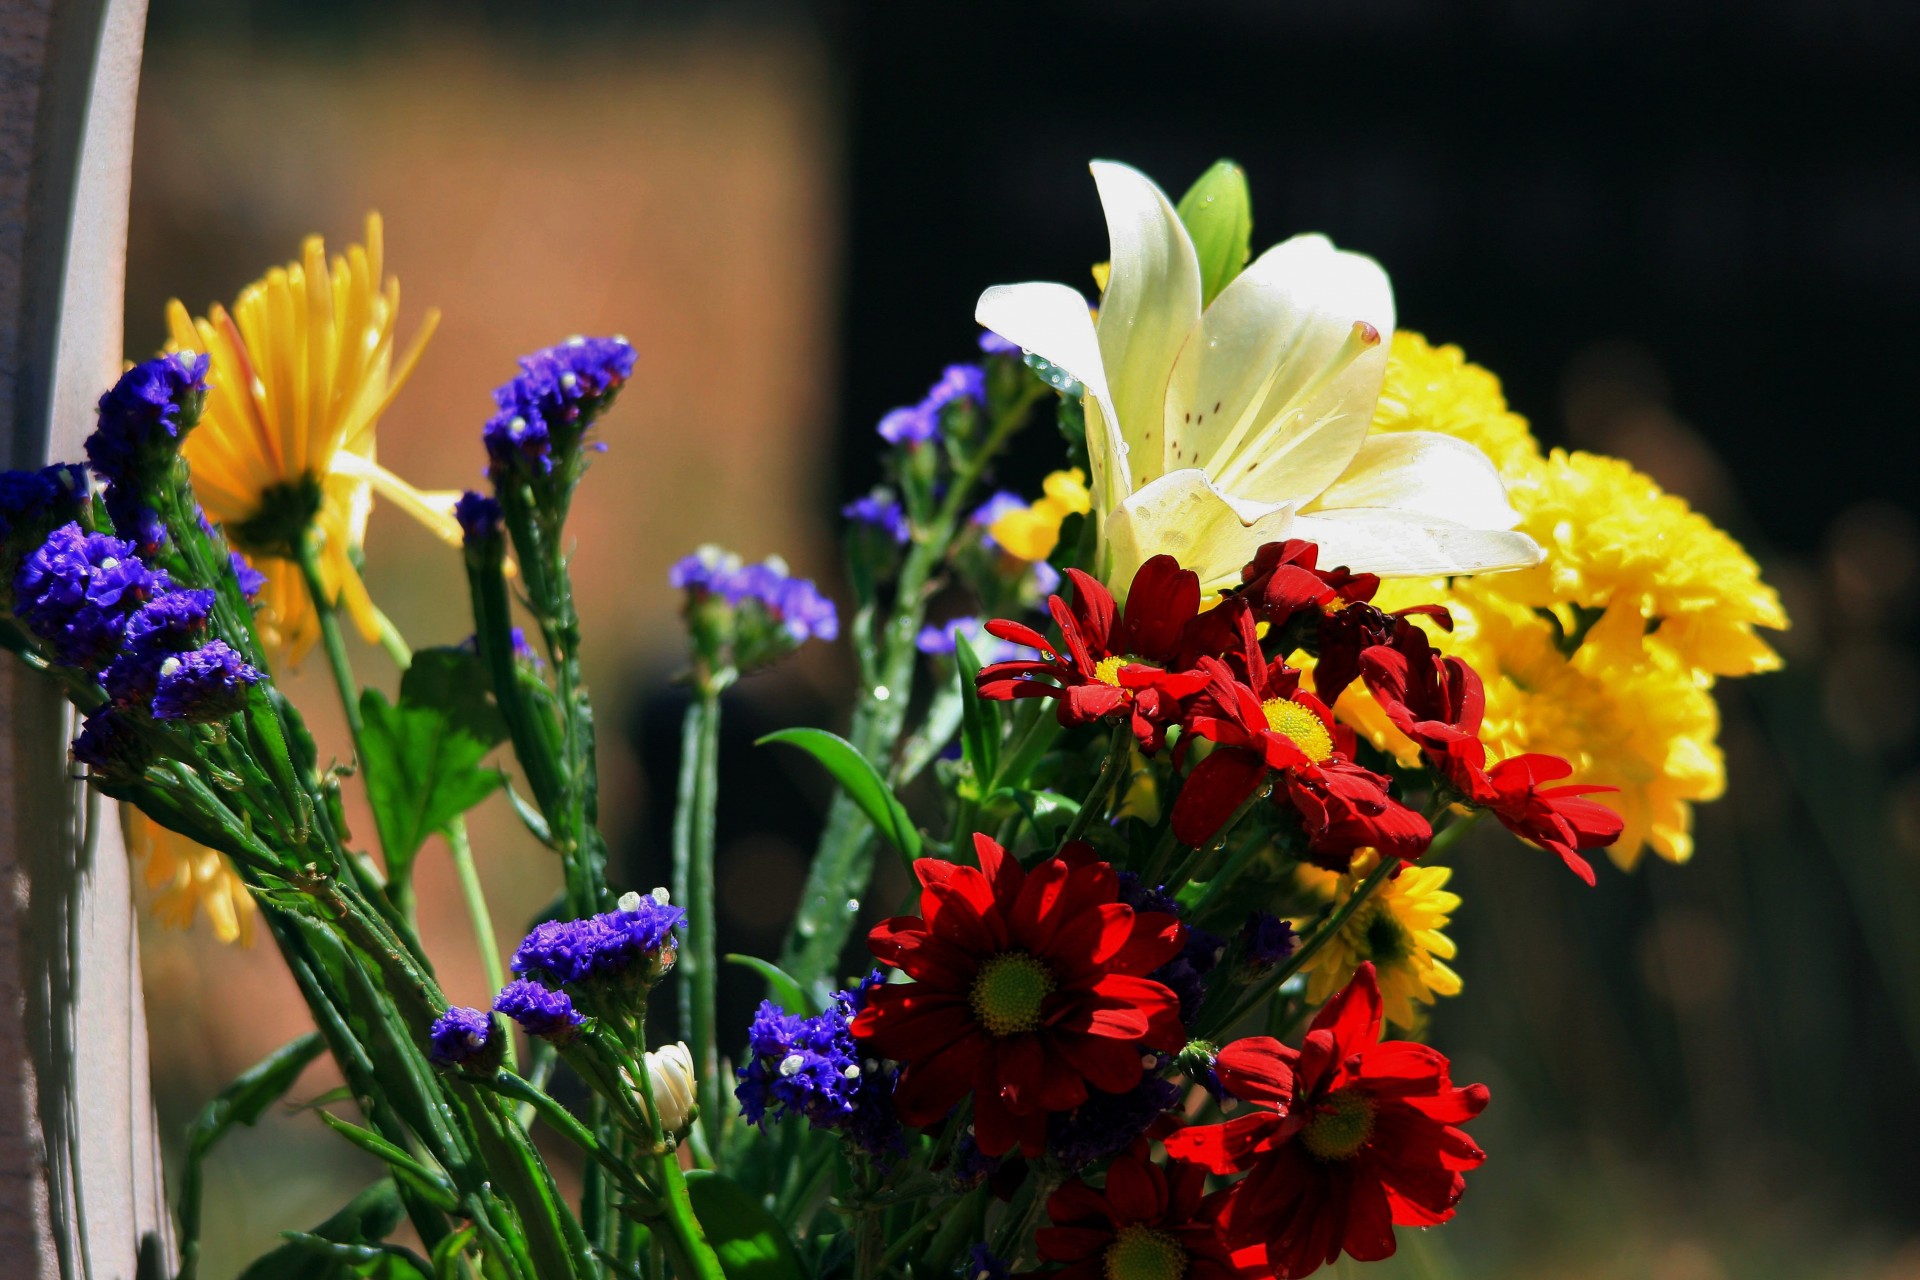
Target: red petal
1258 1069
1136 1190
1223 1148
1353 1015
1217 786
929 1089
1161 602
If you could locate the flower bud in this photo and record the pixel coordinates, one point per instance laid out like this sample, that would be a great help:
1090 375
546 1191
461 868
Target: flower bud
1217 212
670 1073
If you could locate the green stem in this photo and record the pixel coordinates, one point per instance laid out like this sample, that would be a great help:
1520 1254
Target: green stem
843 864
1224 876
684 1239
1119 750
333 640
478 915
1326 933
693 889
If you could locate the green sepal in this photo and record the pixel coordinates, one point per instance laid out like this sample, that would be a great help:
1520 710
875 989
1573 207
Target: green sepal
1217 212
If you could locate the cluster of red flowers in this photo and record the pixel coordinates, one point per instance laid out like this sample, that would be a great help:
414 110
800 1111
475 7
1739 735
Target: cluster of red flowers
1030 991
1162 662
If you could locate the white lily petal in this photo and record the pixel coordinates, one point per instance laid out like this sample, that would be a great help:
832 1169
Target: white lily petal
1396 544
1151 304
1184 515
1275 391
1423 473
1052 321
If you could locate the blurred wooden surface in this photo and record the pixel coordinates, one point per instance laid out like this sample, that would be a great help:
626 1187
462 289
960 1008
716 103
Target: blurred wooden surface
80 1181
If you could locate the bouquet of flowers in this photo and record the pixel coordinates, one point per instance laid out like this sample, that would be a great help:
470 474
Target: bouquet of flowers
1172 754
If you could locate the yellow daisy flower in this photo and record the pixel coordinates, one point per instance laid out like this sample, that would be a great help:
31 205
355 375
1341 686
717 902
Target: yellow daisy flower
1398 928
1429 388
1032 533
188 877
302 369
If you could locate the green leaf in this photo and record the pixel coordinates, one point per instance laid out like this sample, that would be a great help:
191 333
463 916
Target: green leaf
1046 810
979 723
1217 212
785 992
367 1219
422 771
402 1165
454 681
862 782
750 1242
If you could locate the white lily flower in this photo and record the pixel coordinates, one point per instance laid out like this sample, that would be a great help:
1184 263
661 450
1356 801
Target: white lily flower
1212 432
670 1070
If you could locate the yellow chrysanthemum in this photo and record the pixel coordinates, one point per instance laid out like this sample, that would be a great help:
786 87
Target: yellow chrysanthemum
187 877
301 371
1398 928
1615 538
1431 388
1032 533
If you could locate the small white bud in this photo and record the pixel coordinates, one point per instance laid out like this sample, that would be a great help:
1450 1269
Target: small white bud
660 895
791 1064
850 1071
670 1070
629 901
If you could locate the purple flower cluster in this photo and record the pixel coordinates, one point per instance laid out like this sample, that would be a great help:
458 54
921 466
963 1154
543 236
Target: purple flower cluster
77 590
920 423
633 942
168 625
143 419
880 511
463 1037
795 604
540 1011
204 685
1107 1123
812 1067
1185 974
993 344
34 503
109 743
479 518
1266 941
984 1264
546 409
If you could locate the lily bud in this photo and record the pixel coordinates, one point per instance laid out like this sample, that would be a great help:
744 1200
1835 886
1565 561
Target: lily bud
1217 212
670 1071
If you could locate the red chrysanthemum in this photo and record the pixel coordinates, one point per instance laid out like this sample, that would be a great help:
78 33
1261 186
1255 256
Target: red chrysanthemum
1351 1136
1146 1223
1111 661
1438 702
1342 806
1028 988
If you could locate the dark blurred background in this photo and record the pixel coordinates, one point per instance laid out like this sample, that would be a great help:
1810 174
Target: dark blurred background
1687 234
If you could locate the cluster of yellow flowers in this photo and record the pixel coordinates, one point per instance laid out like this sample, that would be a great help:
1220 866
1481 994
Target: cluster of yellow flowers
1605 654
1031 533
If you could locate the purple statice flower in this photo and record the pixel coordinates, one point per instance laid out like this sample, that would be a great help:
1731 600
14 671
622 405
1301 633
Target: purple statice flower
1266 941
165 626
463 1037
704 570
32 505
479 518
250 579
553 400
203 685
144 417
983 1264
109 743
969 1166
634 941
1046 579
882 512
998 504
77 590
810 1066
938 640
1187 972
806 614
992 344
918 424
539 1010
1107 1123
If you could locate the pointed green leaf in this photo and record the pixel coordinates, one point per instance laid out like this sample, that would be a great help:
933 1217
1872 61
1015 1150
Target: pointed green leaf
453 681
422 770
750 1242
862 782
979 722
781 987
1217 212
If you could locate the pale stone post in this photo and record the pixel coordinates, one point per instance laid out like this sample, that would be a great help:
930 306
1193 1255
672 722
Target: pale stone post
80 1183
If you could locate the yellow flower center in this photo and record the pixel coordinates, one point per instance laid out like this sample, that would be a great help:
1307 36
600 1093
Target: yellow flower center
1298 725
1009 991
1342 1127
1141 1253
1107 670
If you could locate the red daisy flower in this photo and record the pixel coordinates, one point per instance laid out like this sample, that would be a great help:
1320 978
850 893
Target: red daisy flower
1351 1136
1343 806
1028 987
1147 1223
1116 662
1438 702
